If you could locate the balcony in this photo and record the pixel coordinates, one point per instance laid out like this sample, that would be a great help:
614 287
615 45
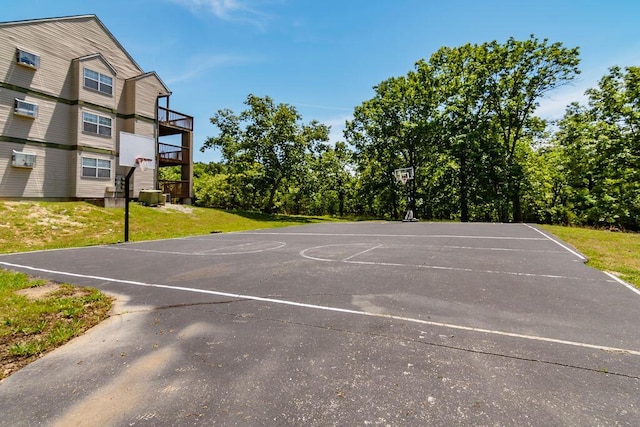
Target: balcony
175 149
170 155
177 189
172 122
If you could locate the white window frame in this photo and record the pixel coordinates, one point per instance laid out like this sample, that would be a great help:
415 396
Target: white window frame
26 108
27 59
95 167
99 82
101 123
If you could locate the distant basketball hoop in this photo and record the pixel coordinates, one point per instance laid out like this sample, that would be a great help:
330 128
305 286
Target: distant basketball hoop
403 175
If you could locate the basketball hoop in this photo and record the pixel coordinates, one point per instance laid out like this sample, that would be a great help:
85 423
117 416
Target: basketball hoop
143 163
403 175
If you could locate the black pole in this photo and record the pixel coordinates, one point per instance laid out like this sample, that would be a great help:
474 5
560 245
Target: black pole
413 197
126 204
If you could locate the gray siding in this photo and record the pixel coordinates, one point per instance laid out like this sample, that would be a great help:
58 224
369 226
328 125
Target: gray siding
147 90
143 181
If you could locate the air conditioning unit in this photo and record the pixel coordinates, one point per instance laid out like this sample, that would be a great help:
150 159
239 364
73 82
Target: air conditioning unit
27 109
150 197
20 159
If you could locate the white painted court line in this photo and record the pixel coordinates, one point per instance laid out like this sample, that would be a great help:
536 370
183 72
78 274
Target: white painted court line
582 257
622 282
350 260
335 309
448 236
473 248
209 252
361 253
238 245
470 270
276 245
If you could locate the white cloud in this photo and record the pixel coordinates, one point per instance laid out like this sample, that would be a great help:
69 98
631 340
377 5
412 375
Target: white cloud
200 64
228 10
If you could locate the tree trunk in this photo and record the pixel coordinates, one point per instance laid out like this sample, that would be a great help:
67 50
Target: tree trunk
464 199
340 198
272 194
517 207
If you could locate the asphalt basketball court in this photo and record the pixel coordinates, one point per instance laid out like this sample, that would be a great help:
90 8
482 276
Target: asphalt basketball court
372 323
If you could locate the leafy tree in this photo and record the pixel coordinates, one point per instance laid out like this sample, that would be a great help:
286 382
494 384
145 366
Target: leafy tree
461 81
391 131
170 173
600 146
520 73
332 180
466 116
268 139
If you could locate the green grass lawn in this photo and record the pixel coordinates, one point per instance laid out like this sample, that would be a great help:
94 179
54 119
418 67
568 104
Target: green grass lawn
617 253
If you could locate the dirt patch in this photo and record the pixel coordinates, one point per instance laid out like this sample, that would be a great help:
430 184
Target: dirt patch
39 292
180 208
48 218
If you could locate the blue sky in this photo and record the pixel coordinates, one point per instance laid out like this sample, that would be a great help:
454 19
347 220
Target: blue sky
325 56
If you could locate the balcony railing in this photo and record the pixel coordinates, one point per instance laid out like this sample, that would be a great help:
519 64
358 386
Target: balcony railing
177 189
174 119
173 154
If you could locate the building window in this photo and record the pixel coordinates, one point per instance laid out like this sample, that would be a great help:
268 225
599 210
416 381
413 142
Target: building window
29 59
96 81
24 108
99 125
96 168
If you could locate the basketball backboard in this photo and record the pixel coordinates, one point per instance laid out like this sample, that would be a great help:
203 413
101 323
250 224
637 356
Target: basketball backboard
133 147
403 174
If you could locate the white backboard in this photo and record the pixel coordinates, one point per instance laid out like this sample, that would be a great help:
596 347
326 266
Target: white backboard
133 146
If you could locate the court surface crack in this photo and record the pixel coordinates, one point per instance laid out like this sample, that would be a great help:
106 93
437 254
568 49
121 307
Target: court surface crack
193 304
433 344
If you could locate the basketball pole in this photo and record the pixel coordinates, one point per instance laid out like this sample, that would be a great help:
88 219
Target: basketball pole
126 203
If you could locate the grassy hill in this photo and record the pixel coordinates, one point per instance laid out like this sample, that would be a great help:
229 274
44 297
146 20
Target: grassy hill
27 226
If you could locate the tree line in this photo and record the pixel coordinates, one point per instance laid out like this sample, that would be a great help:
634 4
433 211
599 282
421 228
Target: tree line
465 120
